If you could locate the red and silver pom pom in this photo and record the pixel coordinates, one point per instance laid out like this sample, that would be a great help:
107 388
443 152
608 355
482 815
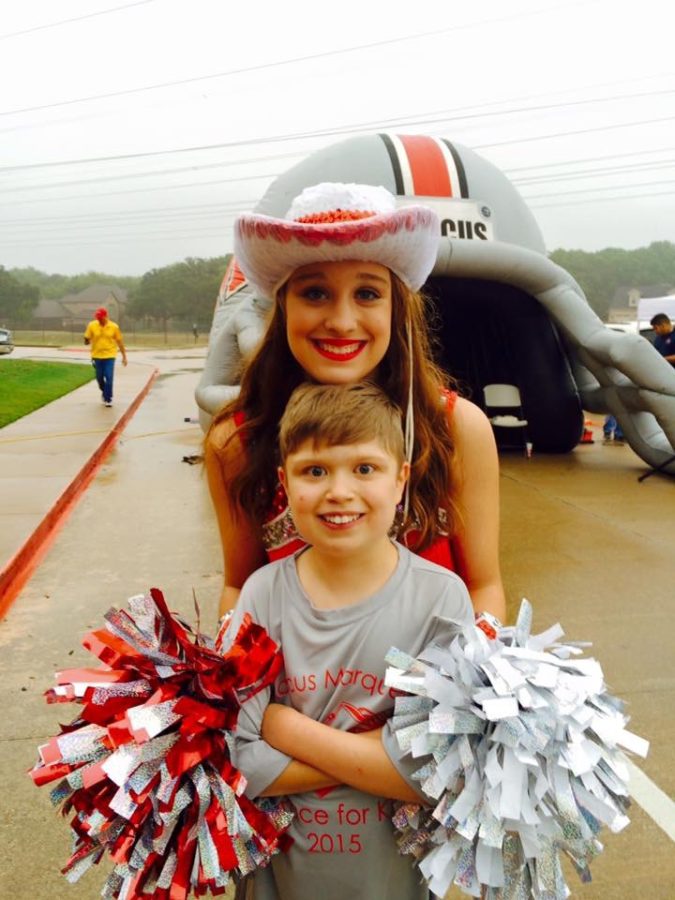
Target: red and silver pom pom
146 767
520 750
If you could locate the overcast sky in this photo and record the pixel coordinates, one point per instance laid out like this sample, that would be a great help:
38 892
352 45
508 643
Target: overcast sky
131 133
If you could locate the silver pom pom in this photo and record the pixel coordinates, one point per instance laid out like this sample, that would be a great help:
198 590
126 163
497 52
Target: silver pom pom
520 750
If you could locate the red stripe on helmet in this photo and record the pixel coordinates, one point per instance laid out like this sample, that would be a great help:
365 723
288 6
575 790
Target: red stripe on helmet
427 164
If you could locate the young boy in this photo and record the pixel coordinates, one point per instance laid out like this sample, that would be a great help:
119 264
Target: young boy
336 608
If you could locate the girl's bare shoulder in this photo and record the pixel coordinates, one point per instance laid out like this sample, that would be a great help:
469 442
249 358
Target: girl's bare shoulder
222 443
468 420
473 437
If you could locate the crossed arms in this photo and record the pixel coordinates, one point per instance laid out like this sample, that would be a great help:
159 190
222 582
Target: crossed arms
323 756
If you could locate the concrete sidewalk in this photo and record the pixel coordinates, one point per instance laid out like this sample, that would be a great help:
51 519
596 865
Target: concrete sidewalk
48 457
581 538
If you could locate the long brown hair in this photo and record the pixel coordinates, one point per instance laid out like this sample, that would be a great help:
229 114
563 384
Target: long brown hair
272 375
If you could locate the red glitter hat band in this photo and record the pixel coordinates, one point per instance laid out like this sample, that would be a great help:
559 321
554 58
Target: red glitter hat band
334 215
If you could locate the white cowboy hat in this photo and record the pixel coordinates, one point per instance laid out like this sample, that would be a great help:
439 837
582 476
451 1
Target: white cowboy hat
332 222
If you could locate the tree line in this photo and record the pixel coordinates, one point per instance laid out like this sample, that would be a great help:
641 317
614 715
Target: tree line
55 286
187 290
17 299
599 274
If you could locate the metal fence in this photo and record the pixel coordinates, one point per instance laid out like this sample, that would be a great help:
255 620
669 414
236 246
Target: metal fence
135 332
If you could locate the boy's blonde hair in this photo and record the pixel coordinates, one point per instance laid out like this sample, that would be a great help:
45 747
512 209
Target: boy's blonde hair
329 414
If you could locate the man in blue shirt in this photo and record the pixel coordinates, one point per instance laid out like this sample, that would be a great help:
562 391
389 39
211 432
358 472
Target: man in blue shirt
665 336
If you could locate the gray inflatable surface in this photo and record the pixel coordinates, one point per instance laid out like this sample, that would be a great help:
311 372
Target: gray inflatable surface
504 311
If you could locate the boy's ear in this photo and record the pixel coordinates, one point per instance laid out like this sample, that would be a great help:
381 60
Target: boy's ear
281 475
404 475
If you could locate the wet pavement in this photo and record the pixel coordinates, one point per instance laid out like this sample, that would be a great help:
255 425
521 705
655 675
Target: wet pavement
594 549
47 458
581 538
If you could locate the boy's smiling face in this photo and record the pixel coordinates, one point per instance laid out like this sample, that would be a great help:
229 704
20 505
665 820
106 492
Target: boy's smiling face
343 498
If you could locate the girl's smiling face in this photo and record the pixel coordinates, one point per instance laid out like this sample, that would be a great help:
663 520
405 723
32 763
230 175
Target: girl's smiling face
338 319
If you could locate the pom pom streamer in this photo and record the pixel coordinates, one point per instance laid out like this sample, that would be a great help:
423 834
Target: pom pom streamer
146 767
520 749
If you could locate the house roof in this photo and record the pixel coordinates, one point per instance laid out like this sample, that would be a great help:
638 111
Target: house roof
82 305
622 292
49 309
97 294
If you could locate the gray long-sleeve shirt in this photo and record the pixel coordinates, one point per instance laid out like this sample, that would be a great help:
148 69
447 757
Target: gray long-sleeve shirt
334 668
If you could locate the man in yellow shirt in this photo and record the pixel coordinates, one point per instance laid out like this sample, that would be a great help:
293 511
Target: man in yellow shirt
105 338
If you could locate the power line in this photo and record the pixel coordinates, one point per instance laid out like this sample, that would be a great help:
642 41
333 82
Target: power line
235 207
595 190
472 112
624 198
97 223
72 229
272 175
299 59
561 176
175 211
596 173
151 236
102 12
148 190
198 230
238 206
227 212
588 159
545 107
223 229
146 154
378 124
544 137
158 173
410 119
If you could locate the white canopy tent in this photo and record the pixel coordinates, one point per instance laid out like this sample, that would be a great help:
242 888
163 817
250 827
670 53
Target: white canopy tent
650 306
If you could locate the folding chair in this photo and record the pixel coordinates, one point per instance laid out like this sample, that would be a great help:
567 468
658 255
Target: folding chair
504 409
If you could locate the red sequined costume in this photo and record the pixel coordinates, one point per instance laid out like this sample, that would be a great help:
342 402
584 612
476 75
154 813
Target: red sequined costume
281 538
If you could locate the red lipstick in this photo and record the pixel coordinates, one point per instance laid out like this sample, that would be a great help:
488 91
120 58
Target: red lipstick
324 347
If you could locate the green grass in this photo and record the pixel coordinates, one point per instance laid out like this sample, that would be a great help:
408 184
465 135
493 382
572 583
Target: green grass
26 385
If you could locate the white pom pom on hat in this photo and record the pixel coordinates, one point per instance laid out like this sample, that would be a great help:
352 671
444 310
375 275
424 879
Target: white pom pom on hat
333 222
329 196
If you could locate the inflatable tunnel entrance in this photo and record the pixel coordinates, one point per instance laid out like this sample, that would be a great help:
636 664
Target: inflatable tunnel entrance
491 333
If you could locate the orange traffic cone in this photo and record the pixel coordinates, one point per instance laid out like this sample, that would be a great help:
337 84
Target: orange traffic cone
587 436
